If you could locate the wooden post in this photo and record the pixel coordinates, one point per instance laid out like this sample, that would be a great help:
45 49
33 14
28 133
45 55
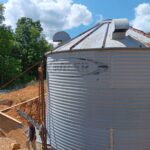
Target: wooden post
111 136
42 107
39 99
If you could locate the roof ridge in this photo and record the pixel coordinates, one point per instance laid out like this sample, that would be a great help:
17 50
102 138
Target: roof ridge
63 44
141 32
96 28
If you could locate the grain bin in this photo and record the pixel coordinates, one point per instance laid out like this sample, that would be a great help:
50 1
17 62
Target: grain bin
99 90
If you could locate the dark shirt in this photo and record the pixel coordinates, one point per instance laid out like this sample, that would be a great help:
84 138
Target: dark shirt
32 134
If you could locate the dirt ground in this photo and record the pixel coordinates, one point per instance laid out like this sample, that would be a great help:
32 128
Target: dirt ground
30 108
5 143
21 95
16 136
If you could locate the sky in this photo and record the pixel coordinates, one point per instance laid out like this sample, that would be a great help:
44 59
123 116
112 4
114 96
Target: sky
75 16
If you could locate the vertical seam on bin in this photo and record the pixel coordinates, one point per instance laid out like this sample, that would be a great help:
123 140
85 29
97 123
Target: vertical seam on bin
106 34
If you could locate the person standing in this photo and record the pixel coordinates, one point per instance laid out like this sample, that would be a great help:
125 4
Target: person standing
31 141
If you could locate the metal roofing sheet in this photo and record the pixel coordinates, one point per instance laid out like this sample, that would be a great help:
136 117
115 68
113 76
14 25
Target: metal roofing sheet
68 45
101 36
97 37
139 36
128 41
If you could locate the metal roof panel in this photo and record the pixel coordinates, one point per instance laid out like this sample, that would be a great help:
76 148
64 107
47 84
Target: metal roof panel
97 37
101 36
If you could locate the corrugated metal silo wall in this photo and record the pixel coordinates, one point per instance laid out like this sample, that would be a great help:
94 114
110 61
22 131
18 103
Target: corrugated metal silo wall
92 93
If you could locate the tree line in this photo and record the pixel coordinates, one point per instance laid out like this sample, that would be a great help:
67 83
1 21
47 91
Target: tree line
21 48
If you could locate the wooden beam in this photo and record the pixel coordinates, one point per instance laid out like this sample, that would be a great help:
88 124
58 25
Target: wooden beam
27 101
11 118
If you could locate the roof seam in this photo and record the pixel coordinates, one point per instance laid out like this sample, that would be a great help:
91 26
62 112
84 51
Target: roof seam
140 32
86 36
105 39
75 37
104 42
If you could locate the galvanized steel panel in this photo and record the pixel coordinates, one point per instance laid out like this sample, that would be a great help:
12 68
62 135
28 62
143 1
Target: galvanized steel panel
103 38
125 42
72 42
86 100
97 37
139 37
130 69
132 139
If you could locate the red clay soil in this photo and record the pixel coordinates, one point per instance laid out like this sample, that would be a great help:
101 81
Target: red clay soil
3 107
21 94
14 136
30 108
19 136
12 131
5 143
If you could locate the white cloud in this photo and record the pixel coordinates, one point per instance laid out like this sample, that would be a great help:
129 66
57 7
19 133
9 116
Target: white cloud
55 15
142 17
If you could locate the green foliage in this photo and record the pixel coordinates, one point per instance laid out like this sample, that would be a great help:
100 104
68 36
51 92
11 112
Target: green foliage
31 45
21 49
9 67
6 40
1 13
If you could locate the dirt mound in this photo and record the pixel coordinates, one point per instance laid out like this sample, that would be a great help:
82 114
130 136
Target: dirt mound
6 102
21 94
29 108
2 133
3 107
7 143
17 134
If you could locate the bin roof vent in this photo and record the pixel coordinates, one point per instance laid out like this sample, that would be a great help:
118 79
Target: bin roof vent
61 37
110 33
119 27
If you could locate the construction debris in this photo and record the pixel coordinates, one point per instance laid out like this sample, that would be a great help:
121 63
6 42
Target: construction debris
8 123
11 122
28 102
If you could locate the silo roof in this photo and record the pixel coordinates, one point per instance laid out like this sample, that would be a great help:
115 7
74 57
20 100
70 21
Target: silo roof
101 36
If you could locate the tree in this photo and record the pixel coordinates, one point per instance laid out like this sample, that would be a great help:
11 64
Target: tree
9 65
9 68
6 40
31 45
21 49
1 13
